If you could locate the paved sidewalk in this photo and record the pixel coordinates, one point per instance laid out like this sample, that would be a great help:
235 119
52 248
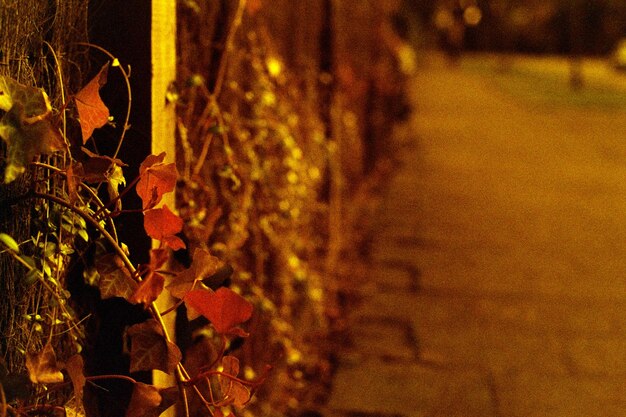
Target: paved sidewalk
498 278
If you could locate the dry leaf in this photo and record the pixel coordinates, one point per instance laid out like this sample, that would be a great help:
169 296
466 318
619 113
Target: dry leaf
75 369
42 367
233 392
144 399
92 112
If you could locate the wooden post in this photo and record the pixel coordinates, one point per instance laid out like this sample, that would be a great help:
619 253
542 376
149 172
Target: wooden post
163 123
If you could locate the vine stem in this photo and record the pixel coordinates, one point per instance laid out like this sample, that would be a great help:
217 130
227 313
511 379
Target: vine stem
62 91
207 143
121 377
233 378
3 405
185 401
230 38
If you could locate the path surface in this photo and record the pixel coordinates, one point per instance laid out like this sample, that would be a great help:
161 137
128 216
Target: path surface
498 285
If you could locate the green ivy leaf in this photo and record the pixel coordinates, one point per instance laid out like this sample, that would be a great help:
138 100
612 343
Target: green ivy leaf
26 127
34 100
9 242
25 141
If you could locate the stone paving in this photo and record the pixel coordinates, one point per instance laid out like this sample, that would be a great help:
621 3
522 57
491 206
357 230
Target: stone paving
498 276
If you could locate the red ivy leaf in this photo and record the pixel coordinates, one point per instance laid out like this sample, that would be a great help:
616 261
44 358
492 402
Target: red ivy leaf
152 285
149 350
115 280
149 289
161 224
92 112
158 258
204 265
233 392
224 308
144 400
42 367
174 242
156 179
169 397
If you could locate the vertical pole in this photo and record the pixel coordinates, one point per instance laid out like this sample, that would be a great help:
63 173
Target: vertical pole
163 123
163 75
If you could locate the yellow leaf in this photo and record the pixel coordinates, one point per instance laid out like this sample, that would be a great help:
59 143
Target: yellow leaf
42 367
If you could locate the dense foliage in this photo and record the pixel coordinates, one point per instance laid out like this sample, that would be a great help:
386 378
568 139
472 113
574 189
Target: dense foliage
254 254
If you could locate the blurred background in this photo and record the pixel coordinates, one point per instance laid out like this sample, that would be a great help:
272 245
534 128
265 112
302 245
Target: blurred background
532 26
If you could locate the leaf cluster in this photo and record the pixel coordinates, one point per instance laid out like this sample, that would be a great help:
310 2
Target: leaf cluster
77 222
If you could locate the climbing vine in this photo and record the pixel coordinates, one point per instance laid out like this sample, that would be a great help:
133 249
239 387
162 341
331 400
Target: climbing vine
267 182
76 223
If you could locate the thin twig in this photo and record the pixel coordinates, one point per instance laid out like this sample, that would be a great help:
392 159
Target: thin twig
230 39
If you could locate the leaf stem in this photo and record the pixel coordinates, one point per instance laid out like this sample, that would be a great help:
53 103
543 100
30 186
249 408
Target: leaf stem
206 374
183 394
101 377
61 88
3 404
